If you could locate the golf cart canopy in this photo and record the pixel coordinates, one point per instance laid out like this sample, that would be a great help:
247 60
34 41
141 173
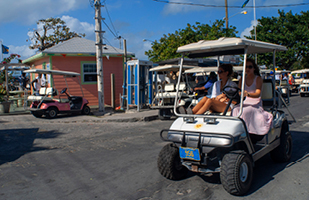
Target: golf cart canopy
52 72
14 67
227 46
169 68
210 69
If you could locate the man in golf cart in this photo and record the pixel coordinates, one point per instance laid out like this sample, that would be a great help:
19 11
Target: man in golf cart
206 88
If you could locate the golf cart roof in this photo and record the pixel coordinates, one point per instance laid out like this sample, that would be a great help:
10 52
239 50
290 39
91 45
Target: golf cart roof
300 71
14 66
169 68
52 72
210 69
227 46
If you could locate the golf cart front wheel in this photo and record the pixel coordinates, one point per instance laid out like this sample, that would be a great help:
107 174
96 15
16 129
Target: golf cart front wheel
169 163
236 172
86 110
51 113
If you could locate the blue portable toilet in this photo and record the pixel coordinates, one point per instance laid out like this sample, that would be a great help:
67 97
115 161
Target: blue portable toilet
139 83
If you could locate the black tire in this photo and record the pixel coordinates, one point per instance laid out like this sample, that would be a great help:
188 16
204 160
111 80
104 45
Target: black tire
169 163
163 112
236 172
51 113
283 152
36 114
302 94
86 110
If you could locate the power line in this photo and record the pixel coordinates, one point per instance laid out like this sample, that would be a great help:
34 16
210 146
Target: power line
109 29
110 20
222 6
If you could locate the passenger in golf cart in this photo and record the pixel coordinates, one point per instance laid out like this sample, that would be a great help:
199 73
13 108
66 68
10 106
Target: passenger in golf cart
218 100
257 120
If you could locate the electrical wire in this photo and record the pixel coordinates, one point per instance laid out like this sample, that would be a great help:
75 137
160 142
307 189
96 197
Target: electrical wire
222 6
111 45
111 20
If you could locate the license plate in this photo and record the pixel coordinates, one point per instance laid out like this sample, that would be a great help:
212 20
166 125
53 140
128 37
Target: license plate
189 153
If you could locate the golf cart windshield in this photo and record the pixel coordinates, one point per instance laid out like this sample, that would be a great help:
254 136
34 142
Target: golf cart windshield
226 46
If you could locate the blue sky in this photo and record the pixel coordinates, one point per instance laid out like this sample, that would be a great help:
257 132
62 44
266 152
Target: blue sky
134 20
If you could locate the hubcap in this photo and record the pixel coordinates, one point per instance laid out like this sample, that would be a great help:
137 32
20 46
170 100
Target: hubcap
243 172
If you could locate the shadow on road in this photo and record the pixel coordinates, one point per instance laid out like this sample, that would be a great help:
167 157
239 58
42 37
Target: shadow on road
15 143
265 169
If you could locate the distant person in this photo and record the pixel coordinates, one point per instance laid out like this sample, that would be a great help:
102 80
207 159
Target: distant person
291 79
37 83
206 89
23 80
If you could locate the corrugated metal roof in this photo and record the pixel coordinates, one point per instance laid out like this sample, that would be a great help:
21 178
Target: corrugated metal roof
79 45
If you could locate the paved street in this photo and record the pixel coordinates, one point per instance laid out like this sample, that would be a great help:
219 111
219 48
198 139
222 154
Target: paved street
87 158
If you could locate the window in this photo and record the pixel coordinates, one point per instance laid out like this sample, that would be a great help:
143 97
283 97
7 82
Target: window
89 72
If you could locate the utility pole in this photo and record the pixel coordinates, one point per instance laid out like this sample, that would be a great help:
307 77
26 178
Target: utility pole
125 85
226 16
99 54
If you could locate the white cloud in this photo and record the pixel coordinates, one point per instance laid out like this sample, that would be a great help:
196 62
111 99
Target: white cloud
80 27
246 32
29 11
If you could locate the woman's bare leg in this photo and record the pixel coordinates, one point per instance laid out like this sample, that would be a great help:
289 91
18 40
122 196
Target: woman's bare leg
218 106
199 105
205 107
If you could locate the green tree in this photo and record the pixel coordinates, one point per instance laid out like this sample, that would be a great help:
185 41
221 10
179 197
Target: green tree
53 31
288 30
166 47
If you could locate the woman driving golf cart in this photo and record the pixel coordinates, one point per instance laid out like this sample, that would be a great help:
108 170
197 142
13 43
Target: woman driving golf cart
218 100
257 120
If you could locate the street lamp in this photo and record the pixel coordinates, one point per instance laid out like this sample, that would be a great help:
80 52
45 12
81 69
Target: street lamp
145 40
242 12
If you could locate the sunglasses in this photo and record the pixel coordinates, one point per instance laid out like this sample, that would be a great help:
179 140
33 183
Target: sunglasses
220 71
249 66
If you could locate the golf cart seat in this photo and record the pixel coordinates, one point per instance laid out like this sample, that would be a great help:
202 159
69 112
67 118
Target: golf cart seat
44 93
169 91
267 95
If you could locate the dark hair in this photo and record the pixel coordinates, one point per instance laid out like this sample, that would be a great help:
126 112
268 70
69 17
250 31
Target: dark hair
256 68
227 68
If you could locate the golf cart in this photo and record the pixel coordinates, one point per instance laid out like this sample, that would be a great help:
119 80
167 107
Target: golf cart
46 103
218 142
165 92
300 76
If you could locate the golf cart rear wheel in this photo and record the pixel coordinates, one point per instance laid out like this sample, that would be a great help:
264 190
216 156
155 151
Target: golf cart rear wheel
236 172
51 113
36 114
169 163
283 152
86 110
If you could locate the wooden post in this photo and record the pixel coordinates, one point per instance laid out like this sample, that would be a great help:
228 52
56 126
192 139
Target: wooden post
113 91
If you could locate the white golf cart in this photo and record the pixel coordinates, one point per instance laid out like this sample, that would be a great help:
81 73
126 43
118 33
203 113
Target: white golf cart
304 88
299 84
218 143
166 91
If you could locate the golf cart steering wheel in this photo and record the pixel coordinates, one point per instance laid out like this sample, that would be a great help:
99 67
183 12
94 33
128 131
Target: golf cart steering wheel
63 90
231 91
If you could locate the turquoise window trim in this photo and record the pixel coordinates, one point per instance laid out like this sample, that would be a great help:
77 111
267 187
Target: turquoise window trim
82 72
